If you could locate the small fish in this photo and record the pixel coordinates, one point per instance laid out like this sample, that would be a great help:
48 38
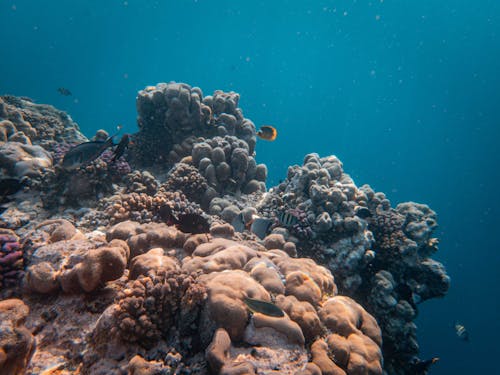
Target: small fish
260 226
362 212
461 332
192 223
422 367
187 223
64 91
267 132
85 153
263 307
287 219
122 146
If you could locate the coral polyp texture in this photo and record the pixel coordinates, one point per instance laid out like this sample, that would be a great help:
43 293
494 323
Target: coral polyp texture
133 266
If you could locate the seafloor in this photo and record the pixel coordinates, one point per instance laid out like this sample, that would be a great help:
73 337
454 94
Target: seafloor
96 279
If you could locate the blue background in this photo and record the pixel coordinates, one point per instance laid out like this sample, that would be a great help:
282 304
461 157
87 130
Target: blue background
404 92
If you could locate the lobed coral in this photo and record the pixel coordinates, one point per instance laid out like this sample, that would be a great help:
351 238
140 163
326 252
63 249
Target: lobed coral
75 266
17 344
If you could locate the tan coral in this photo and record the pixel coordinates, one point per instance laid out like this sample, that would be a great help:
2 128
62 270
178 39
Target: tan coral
226 291
219 255
283 325
320 357
303 313
151 262
78 267
355 340
141 238
17 344
139 366
60 230
95 268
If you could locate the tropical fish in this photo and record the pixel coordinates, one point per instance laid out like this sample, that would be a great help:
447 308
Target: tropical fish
85 153
64 91
263 307
422 367
192 223
287 219
260 226
362 212
461 332
122 146
187 223
267 132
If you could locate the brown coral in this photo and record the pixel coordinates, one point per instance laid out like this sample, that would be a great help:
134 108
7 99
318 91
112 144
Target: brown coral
355 340
78 267
17 344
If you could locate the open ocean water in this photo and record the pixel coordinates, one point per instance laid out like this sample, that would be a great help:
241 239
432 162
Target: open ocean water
405 93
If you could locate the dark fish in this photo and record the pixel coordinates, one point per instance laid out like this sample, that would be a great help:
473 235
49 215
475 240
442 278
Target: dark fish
84 153
422 367
461 332
287 219
187 223
260 226
267 132
64 91
192 223
120 149
362 212
263 307
238 223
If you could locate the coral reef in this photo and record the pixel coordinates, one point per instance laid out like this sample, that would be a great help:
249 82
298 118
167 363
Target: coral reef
222 148
114 286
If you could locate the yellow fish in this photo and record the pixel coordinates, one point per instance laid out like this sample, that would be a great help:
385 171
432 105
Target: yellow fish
267 132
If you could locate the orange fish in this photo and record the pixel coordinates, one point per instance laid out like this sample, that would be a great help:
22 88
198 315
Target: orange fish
267 132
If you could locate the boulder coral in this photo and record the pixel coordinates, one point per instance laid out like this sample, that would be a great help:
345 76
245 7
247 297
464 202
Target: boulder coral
75 266
17 344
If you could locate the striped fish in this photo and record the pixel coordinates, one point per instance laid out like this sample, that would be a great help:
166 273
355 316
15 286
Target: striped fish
287 219
461 332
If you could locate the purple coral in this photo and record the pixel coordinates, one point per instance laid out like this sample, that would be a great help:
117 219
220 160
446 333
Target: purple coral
11 260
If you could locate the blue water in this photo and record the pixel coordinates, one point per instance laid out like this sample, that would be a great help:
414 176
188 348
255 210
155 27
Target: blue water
404 92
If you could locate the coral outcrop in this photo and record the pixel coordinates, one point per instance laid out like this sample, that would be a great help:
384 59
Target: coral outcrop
112 284
74 265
